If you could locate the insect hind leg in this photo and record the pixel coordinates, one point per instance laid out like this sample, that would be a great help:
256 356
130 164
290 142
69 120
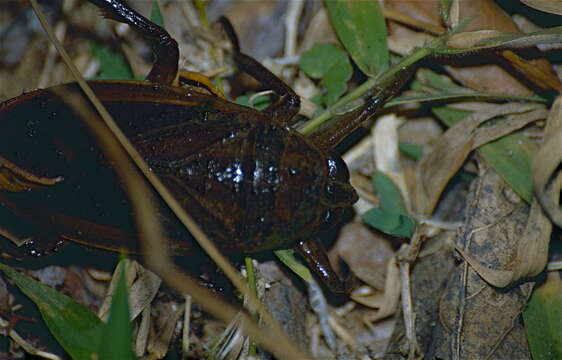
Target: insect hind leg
288 104
165 48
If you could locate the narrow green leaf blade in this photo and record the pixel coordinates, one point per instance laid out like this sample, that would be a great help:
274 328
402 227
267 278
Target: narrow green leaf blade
76 328
411 150
543 320
156 15
361 28
288 258
450 116
117 340
113 65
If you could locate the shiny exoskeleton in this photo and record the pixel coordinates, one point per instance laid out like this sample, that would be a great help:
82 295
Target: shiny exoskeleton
250 180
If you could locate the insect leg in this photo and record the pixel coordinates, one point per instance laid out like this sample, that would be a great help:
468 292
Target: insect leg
338 128
165 48
313 252
288 104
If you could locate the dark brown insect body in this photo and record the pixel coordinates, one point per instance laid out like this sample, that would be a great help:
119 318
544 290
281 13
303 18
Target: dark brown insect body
250 181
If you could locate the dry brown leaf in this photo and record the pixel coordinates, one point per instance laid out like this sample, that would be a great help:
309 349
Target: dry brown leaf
284 301
389 303
549 6
319 31
436 168
130 275
544 79
528 256
160 337
143 290
503 239
511 123
485 15
366 253
142 285
142 332
478 321
428 280
546 180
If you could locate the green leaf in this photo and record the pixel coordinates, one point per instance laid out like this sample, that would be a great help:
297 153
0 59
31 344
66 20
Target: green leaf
426 78
389 194
336 81
288 258
543 319
389 222
76 328
113 65
156 15
450 116
411 150
391 216
117 339
331 65
320 59
511 156
361 28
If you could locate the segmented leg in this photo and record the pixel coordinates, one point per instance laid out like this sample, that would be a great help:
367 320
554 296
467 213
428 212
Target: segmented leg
288 104
313 252
338 128
165 67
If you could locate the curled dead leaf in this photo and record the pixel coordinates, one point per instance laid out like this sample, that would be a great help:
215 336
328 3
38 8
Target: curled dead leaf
437 167
528 255
388 303
504 239
547 181
549 6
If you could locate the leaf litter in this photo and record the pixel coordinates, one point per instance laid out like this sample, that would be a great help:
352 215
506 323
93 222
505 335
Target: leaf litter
452 294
